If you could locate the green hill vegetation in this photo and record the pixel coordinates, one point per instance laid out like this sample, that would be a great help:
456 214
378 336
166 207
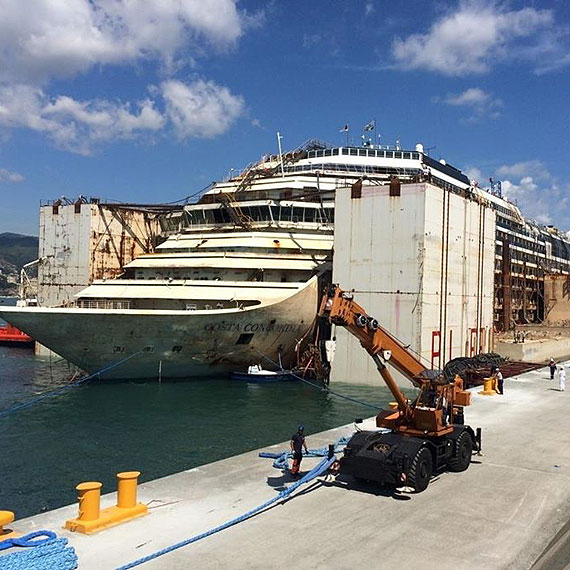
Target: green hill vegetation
15 251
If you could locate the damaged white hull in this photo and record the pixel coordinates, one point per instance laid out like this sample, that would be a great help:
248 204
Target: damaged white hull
171 344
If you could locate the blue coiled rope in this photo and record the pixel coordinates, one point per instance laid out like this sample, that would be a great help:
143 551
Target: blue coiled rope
29 539
33 401
315 472
282 459
50 553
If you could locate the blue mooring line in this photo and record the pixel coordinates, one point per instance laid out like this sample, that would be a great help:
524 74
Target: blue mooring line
33 401
49 553
315 472
321 388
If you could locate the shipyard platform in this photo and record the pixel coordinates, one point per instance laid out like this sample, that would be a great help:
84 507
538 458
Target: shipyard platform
503 512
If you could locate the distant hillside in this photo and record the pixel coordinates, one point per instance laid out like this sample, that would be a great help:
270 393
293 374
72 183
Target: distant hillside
15 251
18 249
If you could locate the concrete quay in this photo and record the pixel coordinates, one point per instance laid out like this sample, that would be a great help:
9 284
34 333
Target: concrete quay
503 512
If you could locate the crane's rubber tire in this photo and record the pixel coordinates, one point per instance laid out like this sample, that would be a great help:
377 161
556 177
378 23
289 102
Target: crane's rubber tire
420 470
463 450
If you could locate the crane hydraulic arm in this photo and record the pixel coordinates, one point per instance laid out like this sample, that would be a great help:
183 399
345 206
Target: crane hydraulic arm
340 308
423 436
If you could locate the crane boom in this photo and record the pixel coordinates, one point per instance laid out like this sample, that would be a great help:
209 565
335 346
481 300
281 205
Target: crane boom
425 435
340 309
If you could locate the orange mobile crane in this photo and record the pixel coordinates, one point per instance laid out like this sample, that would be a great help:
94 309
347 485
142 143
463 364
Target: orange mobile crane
426 435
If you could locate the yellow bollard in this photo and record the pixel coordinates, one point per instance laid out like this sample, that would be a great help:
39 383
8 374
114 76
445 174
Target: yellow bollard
92 519
6 517
89 499
489 387
127 489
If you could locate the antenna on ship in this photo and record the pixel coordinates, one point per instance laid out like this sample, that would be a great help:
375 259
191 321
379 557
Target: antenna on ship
279 137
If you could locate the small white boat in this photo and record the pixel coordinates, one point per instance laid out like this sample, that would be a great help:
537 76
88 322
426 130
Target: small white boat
255 373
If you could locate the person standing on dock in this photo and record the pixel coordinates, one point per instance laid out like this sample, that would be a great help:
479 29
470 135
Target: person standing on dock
499 378
561 378
297 445
552 366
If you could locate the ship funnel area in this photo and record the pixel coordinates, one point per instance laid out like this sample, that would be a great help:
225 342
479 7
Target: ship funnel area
419 147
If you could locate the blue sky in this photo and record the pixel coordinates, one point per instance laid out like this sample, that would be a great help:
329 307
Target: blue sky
149 101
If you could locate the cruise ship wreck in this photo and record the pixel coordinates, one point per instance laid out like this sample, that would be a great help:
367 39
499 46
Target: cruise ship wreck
238 277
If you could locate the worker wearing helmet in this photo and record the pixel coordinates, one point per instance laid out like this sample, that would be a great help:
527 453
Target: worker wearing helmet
297 445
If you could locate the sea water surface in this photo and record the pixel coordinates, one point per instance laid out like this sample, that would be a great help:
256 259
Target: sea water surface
98 429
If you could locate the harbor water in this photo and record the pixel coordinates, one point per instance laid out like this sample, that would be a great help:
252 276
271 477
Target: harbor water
93 431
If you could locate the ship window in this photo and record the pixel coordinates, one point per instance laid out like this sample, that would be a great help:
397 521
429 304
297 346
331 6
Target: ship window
310 214
327 152
148 349
244 338
335 151
344 151
353 152
397 154
118 349
286 213
389 154
297 214
176 348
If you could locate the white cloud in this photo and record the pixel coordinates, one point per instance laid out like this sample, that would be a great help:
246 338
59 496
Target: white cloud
197 109
368 9
10 176
477 35
518 170
311 40
472 96
75 125
473 173
43 39
201 108
480 103
535 191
